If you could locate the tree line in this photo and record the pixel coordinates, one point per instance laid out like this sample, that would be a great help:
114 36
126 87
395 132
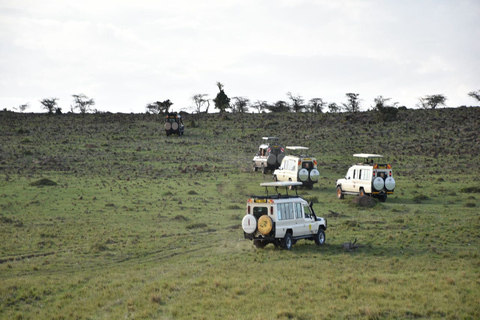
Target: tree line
223 103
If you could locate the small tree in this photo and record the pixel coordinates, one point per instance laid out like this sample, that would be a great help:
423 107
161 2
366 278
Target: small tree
279 106
316 105
200 101
240 104
432 102
475 94
353 104
297 102
22 107
159 107
385 112
82 103
333 107
222 101
49 104
260 105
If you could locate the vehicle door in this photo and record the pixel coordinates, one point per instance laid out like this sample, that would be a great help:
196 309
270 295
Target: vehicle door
309 227
347 185
299 226
291 172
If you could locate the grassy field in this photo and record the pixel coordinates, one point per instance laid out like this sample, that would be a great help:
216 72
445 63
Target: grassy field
104 217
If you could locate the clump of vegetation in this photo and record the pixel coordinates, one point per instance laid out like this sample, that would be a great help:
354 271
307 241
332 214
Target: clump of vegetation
197 226
43 182
192 192
470 190
233 207
420 197
469 205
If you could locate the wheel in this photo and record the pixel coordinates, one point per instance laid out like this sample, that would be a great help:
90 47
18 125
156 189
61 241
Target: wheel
309 186
362 192
382 198
287 241
255 168
275 178
259 244
339 193
320 237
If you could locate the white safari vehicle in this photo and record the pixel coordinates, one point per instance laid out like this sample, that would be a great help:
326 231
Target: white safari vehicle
269 155
367 178
298 167
282 219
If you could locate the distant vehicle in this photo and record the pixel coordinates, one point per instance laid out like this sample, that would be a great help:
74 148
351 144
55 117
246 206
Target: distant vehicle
282 219
269 155
367 178
298 167
174 124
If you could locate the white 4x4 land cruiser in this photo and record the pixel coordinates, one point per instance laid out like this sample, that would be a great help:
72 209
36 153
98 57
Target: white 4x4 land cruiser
367 178
300 168
281 219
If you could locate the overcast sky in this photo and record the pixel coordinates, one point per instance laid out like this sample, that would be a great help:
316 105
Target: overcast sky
125 54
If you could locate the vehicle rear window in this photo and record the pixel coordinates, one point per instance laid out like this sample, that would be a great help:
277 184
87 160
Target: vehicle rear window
259 211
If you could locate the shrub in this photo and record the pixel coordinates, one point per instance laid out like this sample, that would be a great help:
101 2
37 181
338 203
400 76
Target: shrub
470 190
43 182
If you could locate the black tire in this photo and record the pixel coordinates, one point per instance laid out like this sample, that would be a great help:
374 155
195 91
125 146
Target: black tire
287 241
255 168
259 244
340 193
264 170
382 198
275 178
320 237
309 186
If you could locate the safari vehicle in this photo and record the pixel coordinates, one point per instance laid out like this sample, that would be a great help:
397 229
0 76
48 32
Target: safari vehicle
298 168
174 124
269 155
367 178
282 219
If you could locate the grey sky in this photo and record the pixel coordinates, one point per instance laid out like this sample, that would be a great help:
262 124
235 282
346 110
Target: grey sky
125 54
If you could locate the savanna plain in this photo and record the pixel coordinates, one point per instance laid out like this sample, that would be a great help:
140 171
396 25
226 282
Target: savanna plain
102 216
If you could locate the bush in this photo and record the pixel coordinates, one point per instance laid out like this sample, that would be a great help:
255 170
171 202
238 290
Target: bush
470 190
43 182
386 114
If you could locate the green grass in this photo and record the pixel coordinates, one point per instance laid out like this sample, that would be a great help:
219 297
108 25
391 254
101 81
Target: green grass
133 229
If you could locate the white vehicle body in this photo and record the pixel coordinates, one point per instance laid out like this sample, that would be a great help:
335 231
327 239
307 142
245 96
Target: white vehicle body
281 219
367 178
269 155
298 168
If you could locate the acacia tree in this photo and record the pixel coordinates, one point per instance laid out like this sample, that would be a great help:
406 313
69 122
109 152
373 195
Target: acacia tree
260 105
159 107
316 105
49 104
385 112
353 104
240 104
222 101
22 107
82 103
200 101
333 107
298 103
279 106
475 94
432 102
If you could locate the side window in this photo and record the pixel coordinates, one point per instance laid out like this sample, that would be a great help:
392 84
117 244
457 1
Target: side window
279 212
354 174
298 208
289 206
308 213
